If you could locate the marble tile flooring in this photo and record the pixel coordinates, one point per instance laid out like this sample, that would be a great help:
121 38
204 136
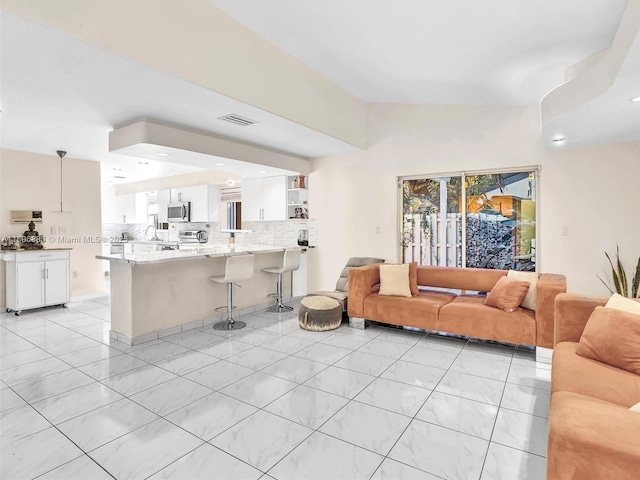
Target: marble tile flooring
270 401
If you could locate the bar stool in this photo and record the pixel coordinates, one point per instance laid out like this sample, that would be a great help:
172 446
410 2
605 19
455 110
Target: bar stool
290 262
238 267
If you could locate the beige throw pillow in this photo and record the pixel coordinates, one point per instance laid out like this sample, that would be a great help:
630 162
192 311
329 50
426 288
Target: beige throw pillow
532 278
635 408
394 280
618 302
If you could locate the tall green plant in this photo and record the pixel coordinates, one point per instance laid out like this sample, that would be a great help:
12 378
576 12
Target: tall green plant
619 277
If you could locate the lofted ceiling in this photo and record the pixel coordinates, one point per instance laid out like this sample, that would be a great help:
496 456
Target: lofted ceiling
490 52
59 92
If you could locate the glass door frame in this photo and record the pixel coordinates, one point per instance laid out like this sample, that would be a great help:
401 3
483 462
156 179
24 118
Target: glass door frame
495 171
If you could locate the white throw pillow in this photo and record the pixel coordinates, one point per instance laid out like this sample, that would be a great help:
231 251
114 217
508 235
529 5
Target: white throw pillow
394 280
532 294
635 408
618 302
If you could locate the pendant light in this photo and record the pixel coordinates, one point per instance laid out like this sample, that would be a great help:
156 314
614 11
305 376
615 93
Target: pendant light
61 153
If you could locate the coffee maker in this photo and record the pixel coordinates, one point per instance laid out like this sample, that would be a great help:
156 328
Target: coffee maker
303 238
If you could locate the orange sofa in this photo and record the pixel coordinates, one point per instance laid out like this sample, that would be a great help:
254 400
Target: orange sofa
445 311
592 433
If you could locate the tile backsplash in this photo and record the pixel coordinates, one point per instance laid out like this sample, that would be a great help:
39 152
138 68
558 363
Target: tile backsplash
280 233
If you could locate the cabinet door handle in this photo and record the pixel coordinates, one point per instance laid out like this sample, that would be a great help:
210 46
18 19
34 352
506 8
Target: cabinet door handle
47 273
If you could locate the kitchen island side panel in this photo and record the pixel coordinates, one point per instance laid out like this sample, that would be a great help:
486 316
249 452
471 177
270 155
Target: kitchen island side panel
152 297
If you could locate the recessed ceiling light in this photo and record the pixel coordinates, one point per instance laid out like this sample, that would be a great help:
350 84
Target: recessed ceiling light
635 99
163 154
559 139
117 169
263 171
143 163
219 164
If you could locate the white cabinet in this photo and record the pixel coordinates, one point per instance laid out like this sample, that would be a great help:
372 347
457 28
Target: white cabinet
131 208
205 201
36 279
164 198
264 198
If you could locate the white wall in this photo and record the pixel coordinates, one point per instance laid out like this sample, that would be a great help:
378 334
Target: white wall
590 190
31 181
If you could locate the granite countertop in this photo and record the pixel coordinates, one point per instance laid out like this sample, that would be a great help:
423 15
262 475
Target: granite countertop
205 251
31 250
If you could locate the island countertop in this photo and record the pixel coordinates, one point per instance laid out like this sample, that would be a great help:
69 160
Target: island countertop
203 251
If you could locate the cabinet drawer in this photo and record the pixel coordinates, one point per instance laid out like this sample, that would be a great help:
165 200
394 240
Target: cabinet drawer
42 256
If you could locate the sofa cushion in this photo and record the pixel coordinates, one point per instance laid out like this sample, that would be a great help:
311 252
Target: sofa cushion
394 280
613 337
619 302
573 373
420 311
507 294
472 279
531 278
590 439
468 315
413 278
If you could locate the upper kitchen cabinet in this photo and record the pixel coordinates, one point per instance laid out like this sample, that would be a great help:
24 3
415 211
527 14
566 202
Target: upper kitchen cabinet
164 198
129 208
205 201
264 198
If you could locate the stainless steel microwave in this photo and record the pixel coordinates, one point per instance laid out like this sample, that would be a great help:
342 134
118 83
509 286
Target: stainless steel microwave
179 212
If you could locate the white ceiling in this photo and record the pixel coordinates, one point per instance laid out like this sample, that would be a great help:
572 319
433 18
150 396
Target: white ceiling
60 93
495 52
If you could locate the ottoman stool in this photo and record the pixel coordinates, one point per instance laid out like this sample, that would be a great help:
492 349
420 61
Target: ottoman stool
319 313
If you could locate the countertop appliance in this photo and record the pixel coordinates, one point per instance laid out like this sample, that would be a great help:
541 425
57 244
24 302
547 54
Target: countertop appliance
179 212
193 236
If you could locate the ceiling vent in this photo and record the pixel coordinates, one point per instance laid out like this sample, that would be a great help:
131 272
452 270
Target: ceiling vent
238 120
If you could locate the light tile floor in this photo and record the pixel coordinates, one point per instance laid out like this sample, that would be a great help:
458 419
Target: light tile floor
270 401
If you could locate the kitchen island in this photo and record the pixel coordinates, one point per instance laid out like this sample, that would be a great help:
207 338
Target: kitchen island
154 294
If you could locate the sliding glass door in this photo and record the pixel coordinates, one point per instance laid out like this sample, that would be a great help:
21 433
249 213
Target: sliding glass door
481 220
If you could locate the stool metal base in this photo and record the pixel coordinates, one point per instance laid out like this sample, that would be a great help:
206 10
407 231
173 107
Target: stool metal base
229 325
278 308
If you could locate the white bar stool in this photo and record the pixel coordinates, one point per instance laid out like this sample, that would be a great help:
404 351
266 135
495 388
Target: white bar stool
290 262
238 267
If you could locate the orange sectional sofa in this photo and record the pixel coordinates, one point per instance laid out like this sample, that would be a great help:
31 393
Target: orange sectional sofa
443 311
592 433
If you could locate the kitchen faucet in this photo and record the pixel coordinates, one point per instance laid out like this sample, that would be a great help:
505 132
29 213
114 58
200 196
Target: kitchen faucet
155 233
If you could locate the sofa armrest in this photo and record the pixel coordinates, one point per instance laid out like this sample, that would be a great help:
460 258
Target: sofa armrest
549 286
361 281
572 312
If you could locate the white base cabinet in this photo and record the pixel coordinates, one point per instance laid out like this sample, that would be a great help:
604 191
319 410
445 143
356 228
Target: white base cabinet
37 279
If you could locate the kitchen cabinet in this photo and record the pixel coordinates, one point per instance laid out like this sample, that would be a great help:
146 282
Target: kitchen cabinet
264 198
131 208
164 198
37 279
205 201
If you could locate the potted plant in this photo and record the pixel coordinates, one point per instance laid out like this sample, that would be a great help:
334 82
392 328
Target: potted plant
619 277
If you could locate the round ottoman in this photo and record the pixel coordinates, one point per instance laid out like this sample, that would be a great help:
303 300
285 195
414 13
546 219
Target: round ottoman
318 313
